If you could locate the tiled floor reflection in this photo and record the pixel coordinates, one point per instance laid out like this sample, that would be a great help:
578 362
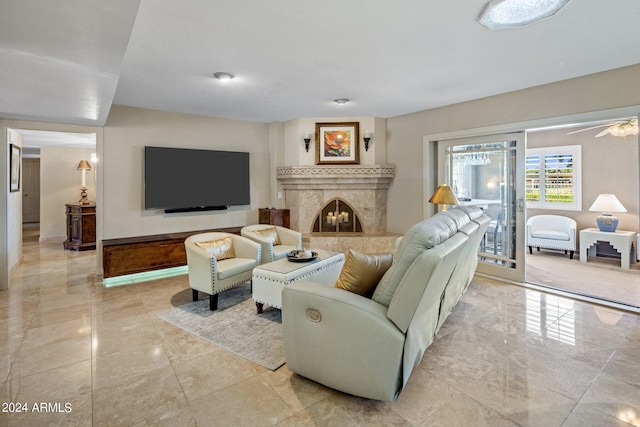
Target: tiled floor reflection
506 356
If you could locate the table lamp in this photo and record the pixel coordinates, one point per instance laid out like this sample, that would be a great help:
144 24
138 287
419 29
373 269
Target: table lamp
444 196
607 203
84 166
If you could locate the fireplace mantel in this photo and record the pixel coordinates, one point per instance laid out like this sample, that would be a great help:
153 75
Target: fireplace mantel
335 176
364 187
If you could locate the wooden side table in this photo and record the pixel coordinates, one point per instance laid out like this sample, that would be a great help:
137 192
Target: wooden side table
274 217
622 241
81 226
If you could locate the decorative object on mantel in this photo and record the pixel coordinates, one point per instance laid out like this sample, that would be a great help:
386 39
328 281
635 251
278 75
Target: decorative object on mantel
84 166
444 196
606 203
307 139
337 143
367 137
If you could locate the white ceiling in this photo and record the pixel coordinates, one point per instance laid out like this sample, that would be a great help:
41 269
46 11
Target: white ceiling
69 60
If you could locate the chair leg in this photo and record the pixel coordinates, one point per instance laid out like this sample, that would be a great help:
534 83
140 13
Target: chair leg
530 250
571 255
194 294
213 302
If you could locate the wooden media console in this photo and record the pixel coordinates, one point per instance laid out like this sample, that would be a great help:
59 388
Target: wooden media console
147 253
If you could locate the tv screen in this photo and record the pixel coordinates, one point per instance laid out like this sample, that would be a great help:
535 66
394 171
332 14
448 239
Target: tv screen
178 179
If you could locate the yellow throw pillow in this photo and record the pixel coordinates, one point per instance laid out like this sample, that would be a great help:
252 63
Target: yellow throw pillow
362 272
220 248
270 234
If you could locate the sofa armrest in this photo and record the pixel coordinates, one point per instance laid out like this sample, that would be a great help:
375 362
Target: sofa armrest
321 324
289 237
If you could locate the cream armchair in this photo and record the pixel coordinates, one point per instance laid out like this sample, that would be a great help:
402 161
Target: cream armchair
219 261
551 232
275 245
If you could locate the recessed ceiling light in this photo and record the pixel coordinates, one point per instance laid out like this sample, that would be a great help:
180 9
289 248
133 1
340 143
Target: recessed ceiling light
341 101
517 13
223 76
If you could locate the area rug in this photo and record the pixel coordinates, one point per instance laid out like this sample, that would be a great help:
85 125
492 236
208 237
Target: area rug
235 326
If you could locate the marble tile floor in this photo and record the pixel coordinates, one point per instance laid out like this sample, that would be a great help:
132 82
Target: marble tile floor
100 356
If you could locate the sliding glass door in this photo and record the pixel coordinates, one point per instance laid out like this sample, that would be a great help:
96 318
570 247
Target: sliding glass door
487 172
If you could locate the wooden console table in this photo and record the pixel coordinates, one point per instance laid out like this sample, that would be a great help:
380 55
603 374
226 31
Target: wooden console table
146 253
81 226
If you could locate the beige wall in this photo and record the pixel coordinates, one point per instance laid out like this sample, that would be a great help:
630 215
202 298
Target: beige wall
295 154
126 133
609 165
405 134
60 183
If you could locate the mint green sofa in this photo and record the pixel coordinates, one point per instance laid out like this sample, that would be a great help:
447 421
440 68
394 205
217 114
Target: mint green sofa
368 347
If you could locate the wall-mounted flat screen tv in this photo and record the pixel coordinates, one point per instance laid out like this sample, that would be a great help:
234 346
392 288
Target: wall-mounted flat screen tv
181 179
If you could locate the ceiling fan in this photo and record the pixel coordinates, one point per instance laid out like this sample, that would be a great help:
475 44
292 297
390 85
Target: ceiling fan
622 128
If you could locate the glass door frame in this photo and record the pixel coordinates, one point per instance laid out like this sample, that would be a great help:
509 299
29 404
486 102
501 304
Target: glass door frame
510 266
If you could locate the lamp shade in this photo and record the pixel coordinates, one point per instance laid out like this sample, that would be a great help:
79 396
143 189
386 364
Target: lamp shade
607 203
84 165
444 196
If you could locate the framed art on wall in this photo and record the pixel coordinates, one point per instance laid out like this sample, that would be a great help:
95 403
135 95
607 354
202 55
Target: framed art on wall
337 143
14 167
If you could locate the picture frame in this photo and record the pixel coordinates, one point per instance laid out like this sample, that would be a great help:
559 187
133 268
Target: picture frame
337 143
15 161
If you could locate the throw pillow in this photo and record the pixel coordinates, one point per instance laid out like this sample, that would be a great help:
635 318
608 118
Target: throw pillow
362 272
220 248
270 234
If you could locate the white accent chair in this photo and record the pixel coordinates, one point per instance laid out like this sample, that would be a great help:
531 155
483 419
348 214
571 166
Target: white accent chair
551 232
212 276
289 240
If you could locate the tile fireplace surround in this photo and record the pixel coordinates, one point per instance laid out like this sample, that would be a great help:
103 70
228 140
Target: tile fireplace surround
364 187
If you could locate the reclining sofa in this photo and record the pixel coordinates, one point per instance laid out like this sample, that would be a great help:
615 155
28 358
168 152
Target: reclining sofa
368 347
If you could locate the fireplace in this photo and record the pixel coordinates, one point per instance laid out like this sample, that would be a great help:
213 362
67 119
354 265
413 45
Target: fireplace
337 216
339 207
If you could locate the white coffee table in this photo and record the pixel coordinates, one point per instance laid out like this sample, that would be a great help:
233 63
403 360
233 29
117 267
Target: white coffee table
269 279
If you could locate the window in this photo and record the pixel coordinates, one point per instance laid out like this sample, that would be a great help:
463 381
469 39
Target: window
553 178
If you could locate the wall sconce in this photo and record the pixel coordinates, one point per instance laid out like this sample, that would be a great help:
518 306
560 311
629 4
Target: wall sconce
307 140
367 138
84 166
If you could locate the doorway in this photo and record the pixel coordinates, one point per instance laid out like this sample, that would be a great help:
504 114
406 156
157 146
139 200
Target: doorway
487 172
608 165
625 167
30 190
51 178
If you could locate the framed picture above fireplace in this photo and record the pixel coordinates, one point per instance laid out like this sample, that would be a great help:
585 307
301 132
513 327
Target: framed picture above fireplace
337 143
